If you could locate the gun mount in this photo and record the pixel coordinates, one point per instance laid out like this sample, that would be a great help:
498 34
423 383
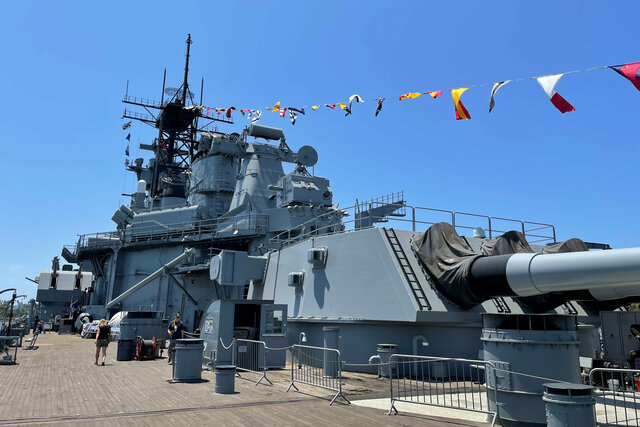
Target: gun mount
509 268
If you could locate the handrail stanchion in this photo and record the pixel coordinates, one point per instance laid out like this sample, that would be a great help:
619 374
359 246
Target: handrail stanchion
413 218
490 229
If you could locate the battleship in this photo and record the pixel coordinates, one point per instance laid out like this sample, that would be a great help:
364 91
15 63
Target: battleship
217 231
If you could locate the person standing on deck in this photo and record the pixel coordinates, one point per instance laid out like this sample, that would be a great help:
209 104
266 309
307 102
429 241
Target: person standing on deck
36 324
75 312
102 340
176 331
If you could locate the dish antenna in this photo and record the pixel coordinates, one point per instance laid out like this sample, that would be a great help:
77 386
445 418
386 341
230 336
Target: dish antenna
307 155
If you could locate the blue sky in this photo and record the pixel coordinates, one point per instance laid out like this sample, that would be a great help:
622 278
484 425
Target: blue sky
65 67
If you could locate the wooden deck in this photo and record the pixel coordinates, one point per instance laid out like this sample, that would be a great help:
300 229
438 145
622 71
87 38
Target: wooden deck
59 384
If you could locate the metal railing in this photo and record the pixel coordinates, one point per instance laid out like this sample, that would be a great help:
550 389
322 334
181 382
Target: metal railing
154 231
143 101
103 239
317 367
419 217
393 199
444 382
251 356
128 114
218 227
617 396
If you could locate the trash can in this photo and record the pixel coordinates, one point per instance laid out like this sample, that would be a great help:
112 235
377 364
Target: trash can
225 379
569 405
331 335
125 350
385 351
187 362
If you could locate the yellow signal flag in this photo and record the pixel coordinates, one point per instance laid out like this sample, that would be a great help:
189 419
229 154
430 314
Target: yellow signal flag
315 107
461 112
410 95
276 107
342 105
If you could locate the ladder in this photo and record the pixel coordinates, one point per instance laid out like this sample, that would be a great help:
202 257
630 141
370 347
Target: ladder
407 270
501 305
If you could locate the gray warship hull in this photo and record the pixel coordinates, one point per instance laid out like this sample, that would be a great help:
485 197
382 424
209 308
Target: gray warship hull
214 218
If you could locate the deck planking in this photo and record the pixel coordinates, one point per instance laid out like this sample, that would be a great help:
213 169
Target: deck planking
58 384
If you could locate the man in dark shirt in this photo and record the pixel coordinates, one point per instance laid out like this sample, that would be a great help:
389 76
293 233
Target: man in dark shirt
176 331
36 324
634 354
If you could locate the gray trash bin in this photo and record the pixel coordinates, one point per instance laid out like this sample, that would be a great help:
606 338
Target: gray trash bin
225 379
331 335
385 351
125 350
569 405
187 361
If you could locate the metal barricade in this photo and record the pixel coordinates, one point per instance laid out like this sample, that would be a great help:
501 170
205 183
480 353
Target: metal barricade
251 356
317 367
437 381
617 396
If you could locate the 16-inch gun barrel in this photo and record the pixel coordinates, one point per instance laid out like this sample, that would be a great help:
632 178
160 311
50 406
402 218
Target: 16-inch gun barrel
606 275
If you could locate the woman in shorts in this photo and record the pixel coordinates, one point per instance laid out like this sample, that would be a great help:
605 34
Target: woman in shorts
102 340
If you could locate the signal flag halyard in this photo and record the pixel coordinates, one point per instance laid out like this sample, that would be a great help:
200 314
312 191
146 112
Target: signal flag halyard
630 71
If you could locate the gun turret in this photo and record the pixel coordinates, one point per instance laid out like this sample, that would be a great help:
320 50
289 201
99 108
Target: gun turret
467 278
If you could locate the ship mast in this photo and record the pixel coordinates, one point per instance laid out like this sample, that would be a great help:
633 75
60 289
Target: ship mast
185 84
176 144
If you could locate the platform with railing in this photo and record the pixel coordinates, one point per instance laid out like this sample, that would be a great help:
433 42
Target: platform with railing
236 227
416 218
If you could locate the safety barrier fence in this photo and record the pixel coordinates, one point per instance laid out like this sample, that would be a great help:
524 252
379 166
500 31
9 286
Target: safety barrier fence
317 367
437 381
445 382
617 396
251 356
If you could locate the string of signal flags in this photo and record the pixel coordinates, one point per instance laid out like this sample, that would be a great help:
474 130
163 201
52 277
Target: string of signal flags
631 71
